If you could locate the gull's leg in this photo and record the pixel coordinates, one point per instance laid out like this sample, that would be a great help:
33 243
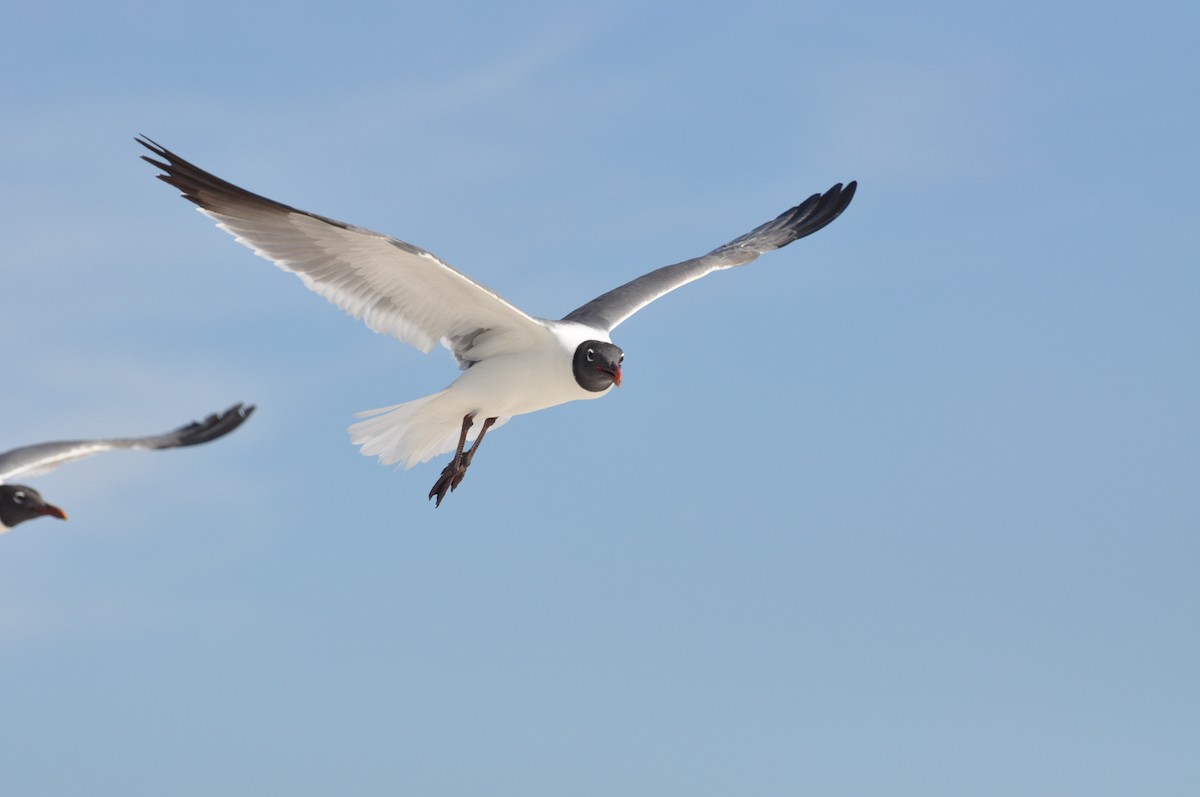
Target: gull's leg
453 473
470 455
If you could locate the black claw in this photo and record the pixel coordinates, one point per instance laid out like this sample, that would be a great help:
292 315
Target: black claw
452 476
445 483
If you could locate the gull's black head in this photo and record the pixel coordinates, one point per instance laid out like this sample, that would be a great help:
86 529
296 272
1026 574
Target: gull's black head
19 503
597 365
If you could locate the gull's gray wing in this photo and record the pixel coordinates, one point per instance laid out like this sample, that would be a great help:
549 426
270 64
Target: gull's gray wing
393 286
606 311
32 460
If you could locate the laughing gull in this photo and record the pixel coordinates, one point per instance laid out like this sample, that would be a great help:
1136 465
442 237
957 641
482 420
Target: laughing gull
513 363
19 503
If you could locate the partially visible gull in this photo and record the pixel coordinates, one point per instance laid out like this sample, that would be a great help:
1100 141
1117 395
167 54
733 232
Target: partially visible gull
513 363
19 503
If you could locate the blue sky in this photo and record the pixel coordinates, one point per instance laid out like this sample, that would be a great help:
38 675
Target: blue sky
907 508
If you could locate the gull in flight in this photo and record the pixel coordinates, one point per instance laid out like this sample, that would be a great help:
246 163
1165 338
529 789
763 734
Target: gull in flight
19 503
512 362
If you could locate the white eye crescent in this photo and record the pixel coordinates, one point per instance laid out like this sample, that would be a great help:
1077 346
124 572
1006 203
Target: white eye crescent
622 359
591 355
19 497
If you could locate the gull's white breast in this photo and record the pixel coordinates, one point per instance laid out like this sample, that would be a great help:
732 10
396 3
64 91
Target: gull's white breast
529 380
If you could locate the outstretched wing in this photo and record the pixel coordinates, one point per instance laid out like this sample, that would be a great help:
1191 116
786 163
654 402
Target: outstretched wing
395 287
44 457
610 309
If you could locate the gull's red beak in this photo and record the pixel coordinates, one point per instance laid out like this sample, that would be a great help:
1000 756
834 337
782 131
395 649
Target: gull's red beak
613 371
52 511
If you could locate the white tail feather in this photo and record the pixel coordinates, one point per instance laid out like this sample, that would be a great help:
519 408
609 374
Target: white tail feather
413 432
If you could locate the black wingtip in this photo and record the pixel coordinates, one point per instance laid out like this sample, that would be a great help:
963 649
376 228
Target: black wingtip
840 200
149 144
158 149
820 210
214 426
202 188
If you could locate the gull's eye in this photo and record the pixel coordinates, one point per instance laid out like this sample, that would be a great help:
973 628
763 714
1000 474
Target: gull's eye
591 355
19 497
622 358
